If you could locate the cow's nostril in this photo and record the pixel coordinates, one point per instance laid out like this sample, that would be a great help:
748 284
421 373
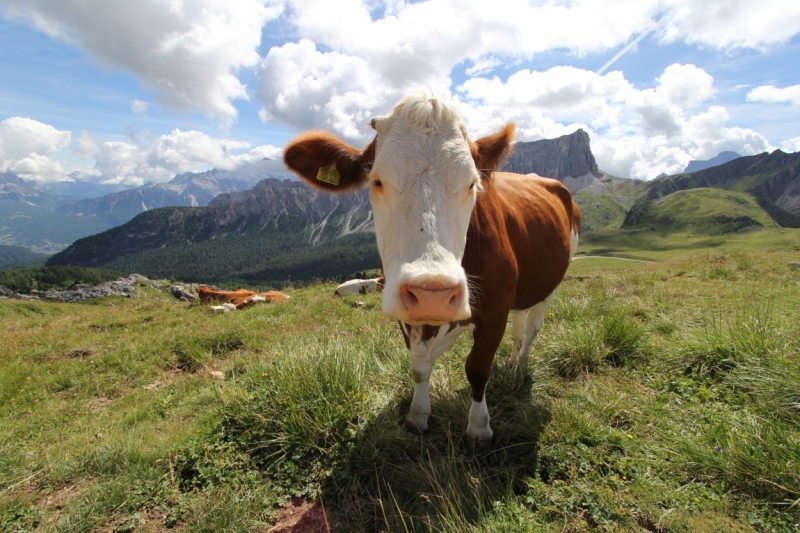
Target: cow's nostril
409 298
455 300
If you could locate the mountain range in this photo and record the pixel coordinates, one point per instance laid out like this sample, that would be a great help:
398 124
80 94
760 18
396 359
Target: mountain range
46 221
281 228
719 159
29 217
189 189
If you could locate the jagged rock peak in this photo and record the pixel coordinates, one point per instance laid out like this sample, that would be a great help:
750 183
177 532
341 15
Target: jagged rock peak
566 156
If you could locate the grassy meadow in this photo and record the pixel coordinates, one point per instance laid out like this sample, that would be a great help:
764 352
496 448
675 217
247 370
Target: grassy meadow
660 397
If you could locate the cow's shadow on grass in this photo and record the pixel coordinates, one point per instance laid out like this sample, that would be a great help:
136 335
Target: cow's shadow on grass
392 479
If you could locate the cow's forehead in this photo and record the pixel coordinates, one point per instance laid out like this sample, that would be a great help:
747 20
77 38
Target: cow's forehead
423 135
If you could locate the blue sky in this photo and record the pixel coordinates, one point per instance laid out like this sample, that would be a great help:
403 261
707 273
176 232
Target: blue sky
227 85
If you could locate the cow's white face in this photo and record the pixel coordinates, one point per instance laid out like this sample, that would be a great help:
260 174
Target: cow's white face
423 183
423 187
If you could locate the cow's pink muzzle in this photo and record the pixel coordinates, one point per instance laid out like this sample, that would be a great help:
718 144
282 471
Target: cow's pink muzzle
434 302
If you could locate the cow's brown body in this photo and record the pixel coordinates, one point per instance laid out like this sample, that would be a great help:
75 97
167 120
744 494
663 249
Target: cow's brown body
518 250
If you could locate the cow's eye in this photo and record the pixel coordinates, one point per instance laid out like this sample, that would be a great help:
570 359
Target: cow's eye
378 183
471 185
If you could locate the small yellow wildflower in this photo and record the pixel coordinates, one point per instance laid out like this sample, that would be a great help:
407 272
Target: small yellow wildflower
629 436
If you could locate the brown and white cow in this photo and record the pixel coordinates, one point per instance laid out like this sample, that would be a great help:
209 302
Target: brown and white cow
240 298
462 246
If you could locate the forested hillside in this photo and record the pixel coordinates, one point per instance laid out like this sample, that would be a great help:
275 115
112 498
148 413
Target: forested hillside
43 278
17 256
278 232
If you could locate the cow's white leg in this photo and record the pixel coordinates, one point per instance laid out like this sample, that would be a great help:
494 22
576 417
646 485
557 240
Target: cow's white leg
533 324
518 332
478 423
426 344
417 417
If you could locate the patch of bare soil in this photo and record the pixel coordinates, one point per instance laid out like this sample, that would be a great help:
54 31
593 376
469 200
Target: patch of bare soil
150 521
153 522
54 501
154 385
82 353
301 516
98 403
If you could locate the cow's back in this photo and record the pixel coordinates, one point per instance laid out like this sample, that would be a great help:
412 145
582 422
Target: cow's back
531 221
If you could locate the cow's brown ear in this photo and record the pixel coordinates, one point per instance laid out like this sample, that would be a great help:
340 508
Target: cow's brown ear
489 151
327 163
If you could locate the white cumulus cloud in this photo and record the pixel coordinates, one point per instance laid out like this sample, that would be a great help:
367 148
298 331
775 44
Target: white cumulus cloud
187 51
25 147
637 133
727 24
770 94
159 159
306 88
791 145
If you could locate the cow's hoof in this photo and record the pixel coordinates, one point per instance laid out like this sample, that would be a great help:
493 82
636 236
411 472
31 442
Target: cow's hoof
479 438
417 428
480 445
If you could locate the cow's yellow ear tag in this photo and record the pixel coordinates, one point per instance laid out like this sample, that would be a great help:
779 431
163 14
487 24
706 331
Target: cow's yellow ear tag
329 174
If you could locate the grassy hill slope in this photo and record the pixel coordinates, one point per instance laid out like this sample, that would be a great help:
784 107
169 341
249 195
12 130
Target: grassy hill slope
657 399
704 211
599 211
688 220
773 178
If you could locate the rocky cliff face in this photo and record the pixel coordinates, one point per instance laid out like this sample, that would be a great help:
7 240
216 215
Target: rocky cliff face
783 189
568 159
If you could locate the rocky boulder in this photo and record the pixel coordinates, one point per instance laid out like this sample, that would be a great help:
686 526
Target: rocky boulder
120 287
181 293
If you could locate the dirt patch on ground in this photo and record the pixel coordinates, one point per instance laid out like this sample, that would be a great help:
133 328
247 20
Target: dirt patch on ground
52 502
98 403
301 516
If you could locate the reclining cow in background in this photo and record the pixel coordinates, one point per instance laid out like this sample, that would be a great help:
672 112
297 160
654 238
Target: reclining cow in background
359 286
462 246
240 298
